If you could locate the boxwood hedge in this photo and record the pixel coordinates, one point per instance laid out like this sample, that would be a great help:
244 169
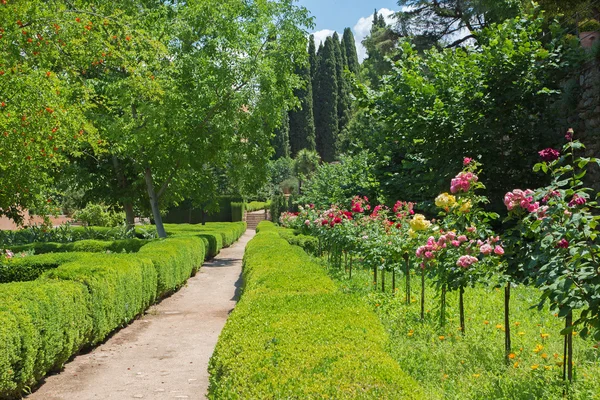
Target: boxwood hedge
81 298
294 335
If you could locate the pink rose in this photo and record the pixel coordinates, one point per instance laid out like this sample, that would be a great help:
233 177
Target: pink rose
499 250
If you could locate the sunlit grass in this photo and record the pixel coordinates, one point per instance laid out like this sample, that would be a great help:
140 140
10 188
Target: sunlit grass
453 365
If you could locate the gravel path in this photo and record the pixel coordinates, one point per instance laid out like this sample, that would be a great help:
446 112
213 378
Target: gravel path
164 354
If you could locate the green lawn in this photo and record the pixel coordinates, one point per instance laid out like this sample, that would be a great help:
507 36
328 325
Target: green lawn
451 365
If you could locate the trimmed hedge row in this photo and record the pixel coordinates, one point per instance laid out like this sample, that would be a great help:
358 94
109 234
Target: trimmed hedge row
30 268
310 244
81 300
293 335
92 246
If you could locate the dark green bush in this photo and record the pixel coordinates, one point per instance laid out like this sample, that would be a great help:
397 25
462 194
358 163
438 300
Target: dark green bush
237 211
293 335
42 324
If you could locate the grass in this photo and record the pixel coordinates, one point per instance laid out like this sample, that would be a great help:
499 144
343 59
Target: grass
451 365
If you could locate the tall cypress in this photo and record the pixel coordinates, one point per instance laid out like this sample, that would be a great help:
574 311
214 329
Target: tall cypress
349 44
281 138
343 86
312 56
326 94
302 123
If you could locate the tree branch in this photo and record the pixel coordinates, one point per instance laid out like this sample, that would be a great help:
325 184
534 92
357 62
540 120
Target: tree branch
460 41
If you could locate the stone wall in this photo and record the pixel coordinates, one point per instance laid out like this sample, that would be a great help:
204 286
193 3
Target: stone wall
587 124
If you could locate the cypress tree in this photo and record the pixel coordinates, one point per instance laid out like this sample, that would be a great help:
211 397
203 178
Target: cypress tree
326 94
302 123
281 138
312 56
343 86
349 44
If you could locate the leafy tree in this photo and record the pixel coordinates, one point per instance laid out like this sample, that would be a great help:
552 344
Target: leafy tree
348 43
452 21
42 101
326 103
445 105
380 44
305 164
338 183
302 123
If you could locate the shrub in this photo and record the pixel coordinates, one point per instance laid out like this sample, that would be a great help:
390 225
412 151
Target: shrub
175 260
237 211
42 324
30 268
99 215
258 205
293 335
310 244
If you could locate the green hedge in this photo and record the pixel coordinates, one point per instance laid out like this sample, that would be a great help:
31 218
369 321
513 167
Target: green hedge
81 299
258 205
120 286
310 244
30 268
175 259
294 335
42 324
89 245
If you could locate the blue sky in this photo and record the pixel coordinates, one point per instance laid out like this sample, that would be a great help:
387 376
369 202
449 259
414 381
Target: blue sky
335 15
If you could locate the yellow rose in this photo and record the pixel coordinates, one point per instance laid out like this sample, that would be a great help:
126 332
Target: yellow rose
445 201
419 223
466 207
412 233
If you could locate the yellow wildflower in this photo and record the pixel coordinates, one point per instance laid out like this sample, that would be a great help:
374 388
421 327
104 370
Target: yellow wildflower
516 365
538 348
547 367
544 356
442 337
411 332
535 366
545 335
512 355
476 375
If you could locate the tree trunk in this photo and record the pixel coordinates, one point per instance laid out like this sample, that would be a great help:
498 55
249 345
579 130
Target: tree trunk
122 182
568 350
461 306
507 339
394 281
422 294
129 214
443 307
160 229
375 277
382 280
407 266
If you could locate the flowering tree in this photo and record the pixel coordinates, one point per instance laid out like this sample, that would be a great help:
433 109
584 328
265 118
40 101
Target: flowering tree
560 220
464 250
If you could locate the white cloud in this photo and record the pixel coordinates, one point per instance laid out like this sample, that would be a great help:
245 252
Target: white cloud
363 28
320 36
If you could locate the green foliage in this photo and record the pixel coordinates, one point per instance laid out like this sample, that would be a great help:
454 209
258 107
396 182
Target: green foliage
302 122
237 211
349 45
293 335
99 215
120 286
590 25
258 205
62 234
42 324
326 102
308 243
489 103
338 183
83 297
281 138
343 86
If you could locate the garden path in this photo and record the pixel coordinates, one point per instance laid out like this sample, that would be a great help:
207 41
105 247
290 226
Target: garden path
164 354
